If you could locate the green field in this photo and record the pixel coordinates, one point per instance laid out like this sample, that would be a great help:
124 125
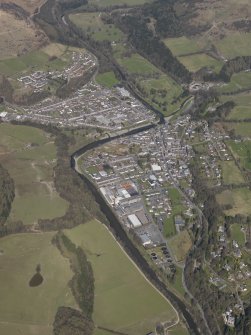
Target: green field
92 24
138 65
180 245
29 155
242 152
37 60
239 199
196 62
26 310
239 81
234 45
242 109
242 129
237 234
107 79
124 300
181 46
231 173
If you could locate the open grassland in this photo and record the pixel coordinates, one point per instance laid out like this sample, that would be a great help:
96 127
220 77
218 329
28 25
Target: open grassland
28 5
138 65
107 79
180 245
239 199
51 57
181 46
124 300
107 3
234 45
242 129
242 109
92 24
242 152
29 156
231 173
17 36
177 209
26 310
239 81
237 234
196 62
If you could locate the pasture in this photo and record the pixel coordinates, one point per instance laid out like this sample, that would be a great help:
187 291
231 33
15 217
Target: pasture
26 310
181 46
29 155
237 234
107 3
231 173
177 209
239 199
242 152
107 79
234 45
138 65
93 25
242 109
242 129
124 300
196 62
180 245
239 81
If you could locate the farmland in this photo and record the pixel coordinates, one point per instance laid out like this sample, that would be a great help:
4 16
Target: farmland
181 46
241 111
235 44
239 199
29 155
231 173
195 62
27 310
242 152
134 306
93 25
242 129
239 81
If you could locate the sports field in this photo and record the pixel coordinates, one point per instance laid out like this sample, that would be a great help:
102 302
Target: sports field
231 173
181 46
107 79
196 62
93 25
29 155
26 310
239 199
124 300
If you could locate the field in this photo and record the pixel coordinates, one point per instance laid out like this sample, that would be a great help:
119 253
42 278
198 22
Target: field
180 245
242 109
234 44
28 5
29 156
138 65
92 24
242 152
196 62
107 79
237 234
239 199
231 173
181 46
17 36
26 310
239 81
177 209
242 129
124 300
106 3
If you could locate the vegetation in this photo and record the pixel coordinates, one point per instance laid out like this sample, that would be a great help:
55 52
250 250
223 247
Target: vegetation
198 61
231 173
180 245
134 306
107 79
25 309
7 194
181 46
239 201
237 234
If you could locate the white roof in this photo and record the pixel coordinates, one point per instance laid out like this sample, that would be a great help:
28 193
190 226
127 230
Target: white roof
156 167
133 219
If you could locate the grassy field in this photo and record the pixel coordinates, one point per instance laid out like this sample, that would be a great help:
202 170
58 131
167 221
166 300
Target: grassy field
124 300
237 234
92 24
242 152
177 209
29 155
239 199
138 65
242 109
181 46
180 245
195 62
242 129
235 44
231 173
26 310
239 81
107 79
